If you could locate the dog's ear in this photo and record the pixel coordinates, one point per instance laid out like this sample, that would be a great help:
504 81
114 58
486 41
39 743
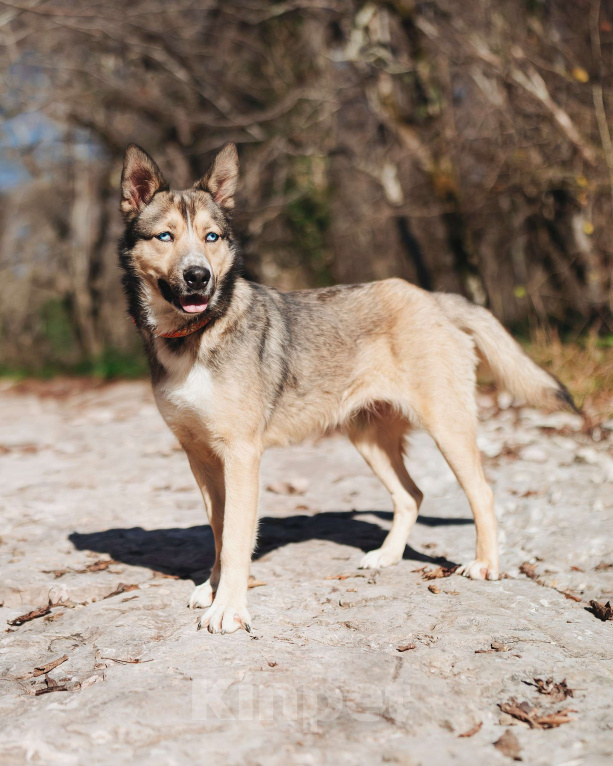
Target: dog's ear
140 180
221 178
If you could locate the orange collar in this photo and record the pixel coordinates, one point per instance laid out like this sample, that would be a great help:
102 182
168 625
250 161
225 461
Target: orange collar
191 328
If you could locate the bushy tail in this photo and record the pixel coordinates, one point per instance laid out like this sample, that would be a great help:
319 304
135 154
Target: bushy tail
511 367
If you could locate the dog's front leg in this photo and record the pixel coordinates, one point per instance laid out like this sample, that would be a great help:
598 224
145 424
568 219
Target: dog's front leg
241 474
208 472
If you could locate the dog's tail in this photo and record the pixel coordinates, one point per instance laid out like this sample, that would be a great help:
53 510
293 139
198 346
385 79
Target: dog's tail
511 367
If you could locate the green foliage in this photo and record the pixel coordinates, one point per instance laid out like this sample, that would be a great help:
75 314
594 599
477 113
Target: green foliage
308 217
111 364
57 327
115 363
60 354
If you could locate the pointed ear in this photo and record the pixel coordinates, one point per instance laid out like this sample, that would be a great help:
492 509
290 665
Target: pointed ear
140 180
221 178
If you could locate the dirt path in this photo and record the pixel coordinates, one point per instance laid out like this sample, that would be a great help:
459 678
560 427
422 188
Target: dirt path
95 475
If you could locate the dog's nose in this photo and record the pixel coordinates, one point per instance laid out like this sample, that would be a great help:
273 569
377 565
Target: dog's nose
196 276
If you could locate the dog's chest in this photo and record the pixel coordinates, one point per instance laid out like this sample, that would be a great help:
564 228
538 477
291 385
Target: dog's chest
186 395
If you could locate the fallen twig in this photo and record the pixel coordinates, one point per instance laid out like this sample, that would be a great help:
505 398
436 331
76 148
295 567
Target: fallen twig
122 588
471 732
42 670
30 616
50 686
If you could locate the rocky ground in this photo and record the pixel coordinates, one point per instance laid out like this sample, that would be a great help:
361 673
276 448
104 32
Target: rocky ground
102 530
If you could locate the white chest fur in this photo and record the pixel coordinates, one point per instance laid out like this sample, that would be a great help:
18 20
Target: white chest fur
186 393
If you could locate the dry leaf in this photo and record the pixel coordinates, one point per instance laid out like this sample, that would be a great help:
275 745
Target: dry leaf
498 646
529 570
97 566
521 711
53 617
553 720
434 588
253 583
604 612
30 616
603 566
508 745
57 573
405 648
571 596
26 449
527 713
440 572
473 731
557 691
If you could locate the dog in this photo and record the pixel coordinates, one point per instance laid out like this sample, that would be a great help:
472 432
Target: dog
238 367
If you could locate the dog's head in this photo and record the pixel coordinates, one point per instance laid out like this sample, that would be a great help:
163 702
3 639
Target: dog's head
177 251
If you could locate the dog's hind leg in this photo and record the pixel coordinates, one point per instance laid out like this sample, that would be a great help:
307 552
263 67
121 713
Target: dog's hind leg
456 438
208 472
379 441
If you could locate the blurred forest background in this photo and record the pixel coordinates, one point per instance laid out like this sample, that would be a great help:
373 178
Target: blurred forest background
465 145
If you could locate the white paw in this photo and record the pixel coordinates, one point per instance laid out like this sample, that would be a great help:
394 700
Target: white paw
380 558
225 618
479 570
202 596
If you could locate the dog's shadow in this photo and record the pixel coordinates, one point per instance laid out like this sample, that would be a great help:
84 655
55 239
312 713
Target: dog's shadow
189 553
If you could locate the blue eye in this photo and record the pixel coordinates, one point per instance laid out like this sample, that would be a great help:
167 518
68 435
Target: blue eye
212 237
165 236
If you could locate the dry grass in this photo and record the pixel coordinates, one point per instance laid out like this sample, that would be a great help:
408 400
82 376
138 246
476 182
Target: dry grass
585 367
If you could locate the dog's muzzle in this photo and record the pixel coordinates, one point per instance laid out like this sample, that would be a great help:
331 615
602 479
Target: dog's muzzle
197 277
191 286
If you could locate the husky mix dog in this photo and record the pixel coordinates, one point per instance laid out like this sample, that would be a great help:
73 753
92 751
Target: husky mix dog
238 367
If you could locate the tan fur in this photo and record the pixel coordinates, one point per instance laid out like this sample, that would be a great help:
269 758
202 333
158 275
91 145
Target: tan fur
516 372
374 360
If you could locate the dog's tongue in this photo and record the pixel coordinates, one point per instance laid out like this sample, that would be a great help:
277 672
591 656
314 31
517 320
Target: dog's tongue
195 304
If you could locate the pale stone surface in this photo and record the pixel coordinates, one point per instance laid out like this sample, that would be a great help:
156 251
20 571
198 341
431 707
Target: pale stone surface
96 475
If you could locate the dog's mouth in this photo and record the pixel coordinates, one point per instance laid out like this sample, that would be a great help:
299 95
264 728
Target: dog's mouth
194 303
